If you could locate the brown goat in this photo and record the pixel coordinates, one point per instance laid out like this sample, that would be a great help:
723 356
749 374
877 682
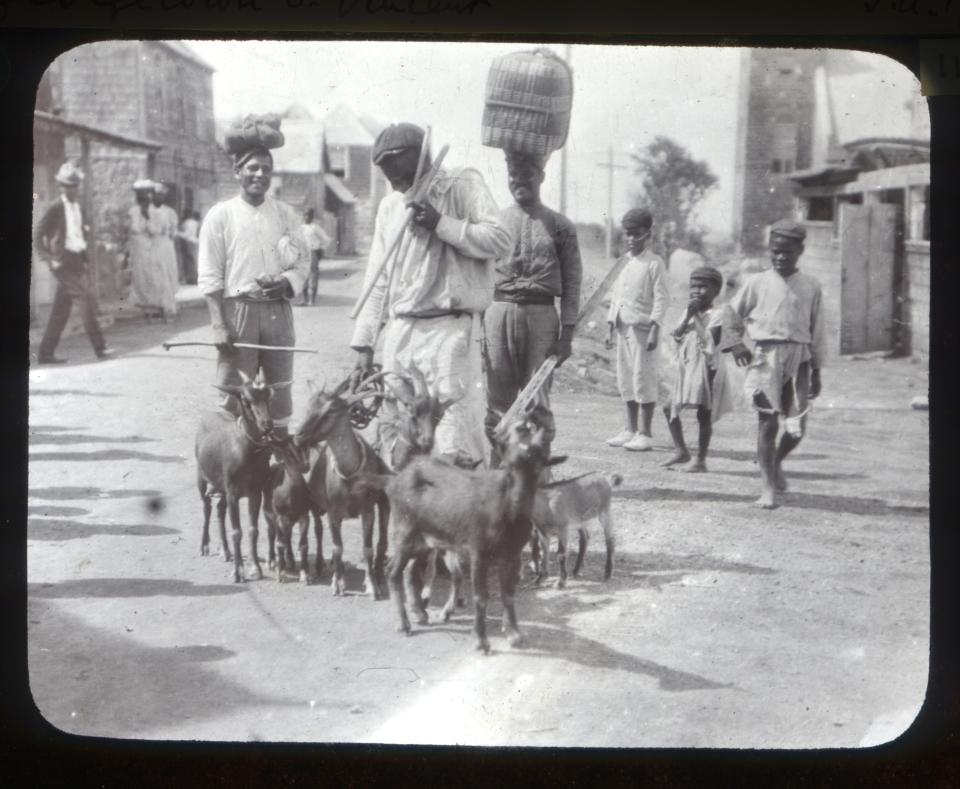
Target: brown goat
233 456
287 500
333 479
484 513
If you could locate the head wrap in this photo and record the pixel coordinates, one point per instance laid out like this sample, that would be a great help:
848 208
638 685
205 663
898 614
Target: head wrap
788 228
160 188
395 138
143 185
522 157
69 175
253 134
708 274
637 219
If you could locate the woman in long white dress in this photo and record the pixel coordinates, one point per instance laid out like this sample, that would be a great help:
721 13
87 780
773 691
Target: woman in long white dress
148 281
165 226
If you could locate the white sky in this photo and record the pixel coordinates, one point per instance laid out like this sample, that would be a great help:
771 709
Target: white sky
623 96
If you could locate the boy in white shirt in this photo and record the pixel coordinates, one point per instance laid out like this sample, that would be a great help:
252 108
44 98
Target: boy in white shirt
637 309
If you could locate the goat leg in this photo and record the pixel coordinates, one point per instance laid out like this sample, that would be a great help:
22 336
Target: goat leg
542 561
253 508
234 506
411 582
607 524
370 584
271 518
304 549
207 508
383 522
509 572
561 557
452 560
478 571
222 522
429 576
581 550
337 583
395 571
318 533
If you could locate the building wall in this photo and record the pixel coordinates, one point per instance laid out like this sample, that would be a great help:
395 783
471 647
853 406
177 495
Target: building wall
780 96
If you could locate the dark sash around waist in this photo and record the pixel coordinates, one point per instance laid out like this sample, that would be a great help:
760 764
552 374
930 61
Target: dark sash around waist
523 298
254 299
428 315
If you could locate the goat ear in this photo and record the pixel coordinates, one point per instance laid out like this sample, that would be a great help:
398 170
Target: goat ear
275 387
556 460
229 389
244 377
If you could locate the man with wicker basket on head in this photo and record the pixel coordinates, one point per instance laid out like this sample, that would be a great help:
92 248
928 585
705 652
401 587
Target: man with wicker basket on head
522 327
252 261
433 295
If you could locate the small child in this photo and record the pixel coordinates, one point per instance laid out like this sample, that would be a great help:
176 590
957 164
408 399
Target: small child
701 380
637 308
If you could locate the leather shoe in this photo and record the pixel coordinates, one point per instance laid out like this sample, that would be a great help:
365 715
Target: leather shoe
51 359
106 353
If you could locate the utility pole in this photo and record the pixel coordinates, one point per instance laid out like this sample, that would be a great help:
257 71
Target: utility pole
568 52
608 244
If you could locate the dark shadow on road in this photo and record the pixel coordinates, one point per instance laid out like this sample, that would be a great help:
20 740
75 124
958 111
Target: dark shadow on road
56 530
64 438
54 428
679 494
747 456
812 475
90 681
104 454
128 587
70 392
55 511
69 493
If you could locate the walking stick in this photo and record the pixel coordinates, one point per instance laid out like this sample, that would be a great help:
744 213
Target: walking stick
539 378
418 195
168 345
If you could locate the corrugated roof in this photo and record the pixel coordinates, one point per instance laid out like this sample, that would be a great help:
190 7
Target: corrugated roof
185 51
343 127
302 151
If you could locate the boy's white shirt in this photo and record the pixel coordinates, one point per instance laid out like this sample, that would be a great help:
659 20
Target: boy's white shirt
640 294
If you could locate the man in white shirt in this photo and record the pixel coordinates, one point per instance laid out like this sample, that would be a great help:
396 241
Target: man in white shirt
317 241
440 284
61 242
252 261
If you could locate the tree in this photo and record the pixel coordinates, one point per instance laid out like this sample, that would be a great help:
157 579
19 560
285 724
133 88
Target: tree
672 185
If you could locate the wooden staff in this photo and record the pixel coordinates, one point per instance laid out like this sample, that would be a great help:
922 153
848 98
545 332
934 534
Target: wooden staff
168 345
418 195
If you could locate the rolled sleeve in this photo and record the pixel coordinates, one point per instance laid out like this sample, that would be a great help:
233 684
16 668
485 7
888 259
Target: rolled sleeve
211 254
482 234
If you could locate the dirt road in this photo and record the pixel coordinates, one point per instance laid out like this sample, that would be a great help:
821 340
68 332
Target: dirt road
723 626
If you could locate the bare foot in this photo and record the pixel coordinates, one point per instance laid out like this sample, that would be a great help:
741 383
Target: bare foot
767 500
779 480
695 466
679 457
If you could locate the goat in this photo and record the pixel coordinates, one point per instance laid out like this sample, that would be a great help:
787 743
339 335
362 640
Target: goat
333 479
557 505
232 460
485 513
287 500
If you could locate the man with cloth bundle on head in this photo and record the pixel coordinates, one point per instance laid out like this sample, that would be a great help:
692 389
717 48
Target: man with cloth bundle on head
522 327
252 261
439 286
781 311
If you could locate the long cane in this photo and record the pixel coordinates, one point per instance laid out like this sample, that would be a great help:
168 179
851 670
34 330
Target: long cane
417 197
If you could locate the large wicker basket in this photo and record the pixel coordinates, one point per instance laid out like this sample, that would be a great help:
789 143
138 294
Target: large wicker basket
528 100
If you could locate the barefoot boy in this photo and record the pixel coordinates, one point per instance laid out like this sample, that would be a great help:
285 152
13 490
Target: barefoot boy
637 308
701 380
781 310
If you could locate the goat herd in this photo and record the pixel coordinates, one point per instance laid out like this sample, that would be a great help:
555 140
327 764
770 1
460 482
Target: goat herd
431 505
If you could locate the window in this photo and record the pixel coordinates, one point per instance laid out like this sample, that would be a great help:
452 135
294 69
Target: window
820 209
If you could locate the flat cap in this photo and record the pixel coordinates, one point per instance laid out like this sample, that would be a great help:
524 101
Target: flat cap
395 138
707 274
636 219
69 174
788 228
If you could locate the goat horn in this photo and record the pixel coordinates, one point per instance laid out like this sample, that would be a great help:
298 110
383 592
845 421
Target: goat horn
244 377
275 387
227 388
420 381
